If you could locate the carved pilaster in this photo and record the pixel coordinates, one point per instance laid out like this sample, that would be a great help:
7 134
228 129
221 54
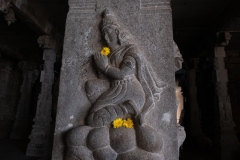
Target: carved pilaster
195 114
22 124
40 137
225 134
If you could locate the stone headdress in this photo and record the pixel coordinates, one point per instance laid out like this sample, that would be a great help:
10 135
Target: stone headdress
109 21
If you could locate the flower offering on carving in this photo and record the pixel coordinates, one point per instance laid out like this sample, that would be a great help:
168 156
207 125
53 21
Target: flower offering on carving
105 51
128 123
117 123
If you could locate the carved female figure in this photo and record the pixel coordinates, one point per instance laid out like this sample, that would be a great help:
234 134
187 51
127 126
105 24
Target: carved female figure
132 90
132 93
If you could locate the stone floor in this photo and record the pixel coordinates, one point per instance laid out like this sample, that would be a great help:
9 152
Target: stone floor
14 150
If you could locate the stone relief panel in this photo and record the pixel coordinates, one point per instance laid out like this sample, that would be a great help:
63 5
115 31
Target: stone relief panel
121 96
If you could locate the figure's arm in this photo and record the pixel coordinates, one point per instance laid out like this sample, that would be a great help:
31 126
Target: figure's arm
127 68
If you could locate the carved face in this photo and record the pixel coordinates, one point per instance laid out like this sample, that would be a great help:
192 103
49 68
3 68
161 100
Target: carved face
111 36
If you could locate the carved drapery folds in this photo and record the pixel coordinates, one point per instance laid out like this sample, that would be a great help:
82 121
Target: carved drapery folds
128 91
40 136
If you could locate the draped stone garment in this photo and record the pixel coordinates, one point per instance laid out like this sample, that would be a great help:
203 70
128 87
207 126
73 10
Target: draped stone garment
137 89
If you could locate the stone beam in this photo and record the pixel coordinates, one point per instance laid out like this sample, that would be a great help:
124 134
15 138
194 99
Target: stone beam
34 14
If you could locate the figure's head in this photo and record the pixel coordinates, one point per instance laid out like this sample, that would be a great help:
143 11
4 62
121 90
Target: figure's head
113 33
111 36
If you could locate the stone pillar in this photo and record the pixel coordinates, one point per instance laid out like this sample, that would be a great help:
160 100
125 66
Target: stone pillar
40 136
9 87
147 27
226 138
23 121
192 91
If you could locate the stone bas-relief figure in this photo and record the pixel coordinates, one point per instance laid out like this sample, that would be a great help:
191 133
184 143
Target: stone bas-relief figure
129 90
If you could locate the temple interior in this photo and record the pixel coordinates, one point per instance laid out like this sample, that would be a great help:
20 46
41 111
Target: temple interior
207 33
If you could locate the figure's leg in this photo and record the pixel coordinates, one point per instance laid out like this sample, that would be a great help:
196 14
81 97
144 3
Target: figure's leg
95 88
105 116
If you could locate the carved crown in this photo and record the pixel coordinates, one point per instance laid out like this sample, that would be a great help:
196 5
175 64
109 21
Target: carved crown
109 20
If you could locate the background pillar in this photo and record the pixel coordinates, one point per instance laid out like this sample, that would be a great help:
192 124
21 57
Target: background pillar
226 138
40 144
23 121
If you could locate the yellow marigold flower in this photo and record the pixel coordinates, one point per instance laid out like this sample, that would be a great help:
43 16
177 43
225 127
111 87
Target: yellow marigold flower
117 123
128 123
105 51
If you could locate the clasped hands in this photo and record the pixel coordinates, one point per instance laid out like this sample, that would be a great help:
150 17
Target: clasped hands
101 61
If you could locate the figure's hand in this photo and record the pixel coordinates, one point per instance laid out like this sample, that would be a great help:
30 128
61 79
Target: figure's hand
101 61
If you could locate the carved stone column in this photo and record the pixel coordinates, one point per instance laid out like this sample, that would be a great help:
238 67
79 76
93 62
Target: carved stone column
195 117
22 124
9 86
225 133
40 136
